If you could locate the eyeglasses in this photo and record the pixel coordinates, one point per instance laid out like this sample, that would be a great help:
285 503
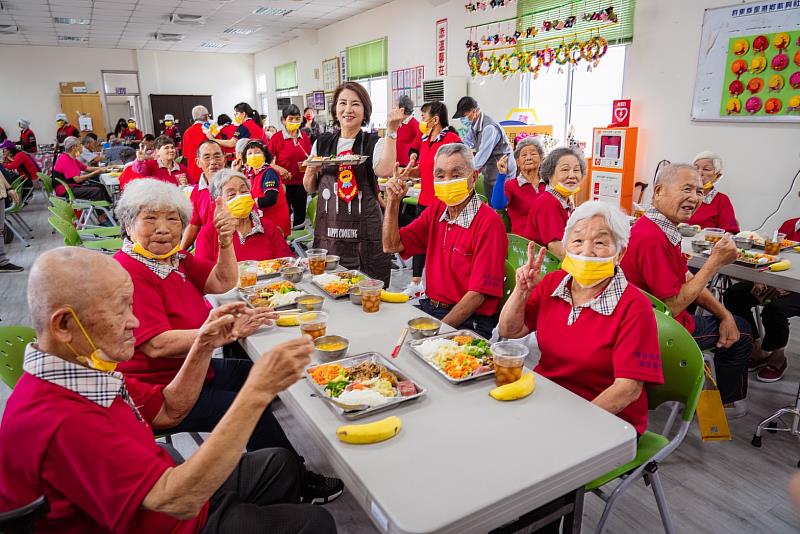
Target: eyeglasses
218 157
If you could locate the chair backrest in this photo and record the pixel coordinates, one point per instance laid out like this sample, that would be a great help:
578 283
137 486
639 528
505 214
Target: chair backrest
682 365
506 219
68 189
510 281
657 304
47 182
13 340
311 210
483 198
480 186
63 208
66 229
21 519
61 213
518 254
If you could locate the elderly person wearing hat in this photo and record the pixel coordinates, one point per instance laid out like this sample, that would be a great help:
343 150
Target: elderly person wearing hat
256 237
562 170
613 346
77 176
170 128
79 433
515 195
132 134
716 210
490 141
65 129
27 139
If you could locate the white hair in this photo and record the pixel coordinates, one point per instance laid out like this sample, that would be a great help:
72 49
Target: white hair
668 173
153 195
199 113
616 220
221 178
713 156
451 149
71 142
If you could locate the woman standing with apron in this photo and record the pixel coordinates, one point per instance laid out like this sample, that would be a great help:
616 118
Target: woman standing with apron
349 217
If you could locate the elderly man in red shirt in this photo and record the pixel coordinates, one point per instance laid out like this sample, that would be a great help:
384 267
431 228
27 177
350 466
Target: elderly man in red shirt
464 239
78 432
193 137
209 159
654 262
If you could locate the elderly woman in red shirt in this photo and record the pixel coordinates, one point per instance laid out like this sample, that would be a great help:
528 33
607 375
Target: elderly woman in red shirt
596 332
515 195
291 146
562 169
163 167
255 236
20 162
716 210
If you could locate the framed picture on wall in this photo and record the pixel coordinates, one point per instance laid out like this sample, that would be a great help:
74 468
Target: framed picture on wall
330 75
310 100
318 101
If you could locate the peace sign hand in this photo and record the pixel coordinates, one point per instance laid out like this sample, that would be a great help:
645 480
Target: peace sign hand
529 275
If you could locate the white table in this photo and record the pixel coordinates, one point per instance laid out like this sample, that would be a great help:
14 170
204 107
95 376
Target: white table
788 280
111 184
462 462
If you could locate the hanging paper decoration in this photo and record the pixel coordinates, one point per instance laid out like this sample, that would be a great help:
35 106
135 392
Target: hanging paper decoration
483 6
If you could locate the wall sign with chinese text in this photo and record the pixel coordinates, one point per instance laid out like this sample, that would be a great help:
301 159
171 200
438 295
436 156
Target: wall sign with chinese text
441 48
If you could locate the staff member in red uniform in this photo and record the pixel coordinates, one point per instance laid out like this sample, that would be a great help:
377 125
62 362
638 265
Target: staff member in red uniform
65 129
227 131
250 119
209 159
256 237
291 146
596 332
716 210
408 131
22 163
562 169
27 139
265 185
171 129
193 137
654 263
515 195
77 432
132 134
163 167
464 241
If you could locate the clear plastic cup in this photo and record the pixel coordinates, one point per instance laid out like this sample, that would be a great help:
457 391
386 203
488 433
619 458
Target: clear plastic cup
773 248
314 324
712 235
248 273
316 260
508 357
370 295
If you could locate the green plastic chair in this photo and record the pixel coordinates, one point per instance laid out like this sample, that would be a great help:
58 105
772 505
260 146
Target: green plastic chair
87 207
73 239
682 365
305 234
483 198
13 340
47 183
61 208
506 219
518 254
411 201
658 304
480 186
13 216
510 282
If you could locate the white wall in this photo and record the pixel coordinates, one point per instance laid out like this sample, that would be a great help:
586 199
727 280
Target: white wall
29 87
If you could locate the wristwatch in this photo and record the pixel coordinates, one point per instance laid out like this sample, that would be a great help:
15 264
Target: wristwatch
391 135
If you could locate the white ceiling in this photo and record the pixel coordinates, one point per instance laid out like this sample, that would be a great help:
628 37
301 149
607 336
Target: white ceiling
132 24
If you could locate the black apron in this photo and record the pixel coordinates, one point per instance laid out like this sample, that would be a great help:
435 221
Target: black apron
351 230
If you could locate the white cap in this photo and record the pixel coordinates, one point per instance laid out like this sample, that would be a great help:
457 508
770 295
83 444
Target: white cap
131 119
240 144
169 117
62 117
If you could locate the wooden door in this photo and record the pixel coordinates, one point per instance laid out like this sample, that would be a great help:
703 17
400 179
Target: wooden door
86 104
178 105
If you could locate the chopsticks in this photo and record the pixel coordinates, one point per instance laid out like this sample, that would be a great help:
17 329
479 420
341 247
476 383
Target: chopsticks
400 341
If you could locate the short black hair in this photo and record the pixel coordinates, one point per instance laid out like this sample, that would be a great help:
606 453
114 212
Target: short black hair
290 110
91 135
223 119
260 146
207 142
363 96
439 109
163 140
149 137
244 107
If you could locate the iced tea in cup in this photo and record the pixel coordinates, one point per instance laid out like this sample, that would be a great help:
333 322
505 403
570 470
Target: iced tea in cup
248 273
313 324
316 260
370 295
772 245
509 357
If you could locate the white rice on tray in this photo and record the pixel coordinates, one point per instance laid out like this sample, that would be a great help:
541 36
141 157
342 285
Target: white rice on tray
431 347
323 279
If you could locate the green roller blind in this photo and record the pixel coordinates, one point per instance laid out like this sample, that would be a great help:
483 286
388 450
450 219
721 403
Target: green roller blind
368 59
533 13
286 76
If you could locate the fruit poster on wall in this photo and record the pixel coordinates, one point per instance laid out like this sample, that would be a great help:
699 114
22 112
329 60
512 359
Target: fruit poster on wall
762 75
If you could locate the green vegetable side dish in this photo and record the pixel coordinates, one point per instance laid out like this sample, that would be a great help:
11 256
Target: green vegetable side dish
336 387
478 348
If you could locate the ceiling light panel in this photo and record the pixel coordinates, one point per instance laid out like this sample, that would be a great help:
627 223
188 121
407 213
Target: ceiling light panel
272 11
66 20
241 31
212 44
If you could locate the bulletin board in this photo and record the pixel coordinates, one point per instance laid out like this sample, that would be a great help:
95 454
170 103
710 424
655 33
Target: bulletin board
408 82
330 75
723 31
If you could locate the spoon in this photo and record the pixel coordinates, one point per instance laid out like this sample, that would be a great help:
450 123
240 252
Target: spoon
326 194
359 201
336 196
343 406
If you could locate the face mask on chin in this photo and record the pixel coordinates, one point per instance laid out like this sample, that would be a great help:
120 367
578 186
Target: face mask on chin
140 250
564 192
97 359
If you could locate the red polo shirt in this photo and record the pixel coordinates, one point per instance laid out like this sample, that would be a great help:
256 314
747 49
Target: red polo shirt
174 303
260 246
268 180
406 135
202 206
173 132
427 153
546 220
23 164
152 168
460 259
655 265
256 131
225 133
716 214
289 153
132 135
95 465
27 140
66 131
789 228
587 356
520 203
193 137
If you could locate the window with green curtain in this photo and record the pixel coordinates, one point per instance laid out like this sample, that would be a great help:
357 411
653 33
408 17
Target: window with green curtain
368 59
532 13
286 76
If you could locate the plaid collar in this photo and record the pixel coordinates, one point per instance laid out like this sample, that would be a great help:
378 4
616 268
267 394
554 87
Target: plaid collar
160 268
438 137
467 215
175 166
708 198
667 226
566 203
97 386
257 228
605 303
522 181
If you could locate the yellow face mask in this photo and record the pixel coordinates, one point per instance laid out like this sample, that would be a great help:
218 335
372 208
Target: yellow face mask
131 125
97 359
708 187
240 206
237 119
589 271
423 127
292 127
139 249
255 161
451 192
60 124
564 192
167 123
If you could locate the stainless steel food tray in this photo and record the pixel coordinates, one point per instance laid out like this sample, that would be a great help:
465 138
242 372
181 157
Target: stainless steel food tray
413 347
353 272
246 293
293 262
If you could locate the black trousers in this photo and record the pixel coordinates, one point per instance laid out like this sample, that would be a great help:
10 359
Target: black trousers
481 324
297 198
261 495
775 315
91 192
